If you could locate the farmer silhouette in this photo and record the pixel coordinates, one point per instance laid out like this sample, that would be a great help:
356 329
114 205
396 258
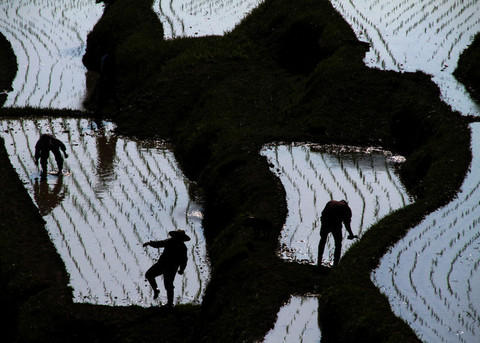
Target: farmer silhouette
173 258
46 144
333 215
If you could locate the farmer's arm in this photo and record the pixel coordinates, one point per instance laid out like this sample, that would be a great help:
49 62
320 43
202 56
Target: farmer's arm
37 152
183 263
155 244
62 147
347 217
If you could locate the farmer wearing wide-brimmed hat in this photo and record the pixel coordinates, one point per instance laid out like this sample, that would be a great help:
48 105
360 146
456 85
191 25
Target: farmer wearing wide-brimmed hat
173 258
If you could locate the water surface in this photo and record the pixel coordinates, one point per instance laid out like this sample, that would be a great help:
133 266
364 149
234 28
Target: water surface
115 194
195 18
313 175
48 39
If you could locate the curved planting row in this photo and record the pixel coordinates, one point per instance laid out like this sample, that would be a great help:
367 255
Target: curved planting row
117 194
48 39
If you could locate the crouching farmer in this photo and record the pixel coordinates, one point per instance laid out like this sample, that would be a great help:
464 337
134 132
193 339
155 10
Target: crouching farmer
174 258
334 215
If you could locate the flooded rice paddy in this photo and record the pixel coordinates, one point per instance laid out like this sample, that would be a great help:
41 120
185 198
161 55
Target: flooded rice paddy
431 277
297 322
313 175
115 194
195 18
428 36
48 39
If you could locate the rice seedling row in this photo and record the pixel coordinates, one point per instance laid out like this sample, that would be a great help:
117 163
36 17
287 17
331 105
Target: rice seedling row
110 207
48 39
441 257
200 17
307 174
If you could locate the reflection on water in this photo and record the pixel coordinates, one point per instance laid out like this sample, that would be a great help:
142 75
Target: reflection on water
114 195
417 35
195 18
48 39
297 321
48 193
314 175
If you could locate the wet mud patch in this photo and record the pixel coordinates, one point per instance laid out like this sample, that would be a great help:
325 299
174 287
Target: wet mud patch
113 195
312 175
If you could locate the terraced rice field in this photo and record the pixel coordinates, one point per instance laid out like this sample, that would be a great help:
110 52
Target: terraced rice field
115 195
298 322
48 39
428 36
431 277
195 18
313 175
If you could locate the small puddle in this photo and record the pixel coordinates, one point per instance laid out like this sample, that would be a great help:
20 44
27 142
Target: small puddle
312 175
297 321
114 195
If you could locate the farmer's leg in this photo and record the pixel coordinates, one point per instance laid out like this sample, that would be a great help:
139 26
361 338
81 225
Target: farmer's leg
321 244
337 236
44 164
150 275
59 159
168 278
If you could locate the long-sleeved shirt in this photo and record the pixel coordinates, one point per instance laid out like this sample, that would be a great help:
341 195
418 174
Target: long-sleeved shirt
174 254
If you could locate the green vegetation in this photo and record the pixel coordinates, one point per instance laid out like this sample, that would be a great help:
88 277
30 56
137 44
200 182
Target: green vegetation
291 71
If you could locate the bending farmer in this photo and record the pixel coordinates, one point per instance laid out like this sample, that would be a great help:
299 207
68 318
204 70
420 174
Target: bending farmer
333 215
45 144
173 258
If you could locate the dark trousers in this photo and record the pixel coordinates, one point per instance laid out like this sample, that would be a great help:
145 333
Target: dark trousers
168 277
337 236
44 161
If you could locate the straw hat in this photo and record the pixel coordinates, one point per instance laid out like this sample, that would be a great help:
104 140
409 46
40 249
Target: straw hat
179 234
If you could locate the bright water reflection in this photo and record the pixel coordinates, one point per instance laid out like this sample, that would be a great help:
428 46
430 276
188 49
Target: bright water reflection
48 39
313 175
429 276
297 322
432 276
417 35
195 18
117 194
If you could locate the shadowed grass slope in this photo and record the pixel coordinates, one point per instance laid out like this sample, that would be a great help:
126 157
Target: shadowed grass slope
291 71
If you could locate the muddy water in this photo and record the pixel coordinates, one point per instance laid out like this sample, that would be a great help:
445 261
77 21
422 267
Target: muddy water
114 194
313 175
195 18
48 39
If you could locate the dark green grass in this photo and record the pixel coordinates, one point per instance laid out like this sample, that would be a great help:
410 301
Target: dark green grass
219 99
